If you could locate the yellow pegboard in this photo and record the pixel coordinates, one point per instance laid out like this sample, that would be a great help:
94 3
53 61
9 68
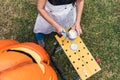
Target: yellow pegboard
80 58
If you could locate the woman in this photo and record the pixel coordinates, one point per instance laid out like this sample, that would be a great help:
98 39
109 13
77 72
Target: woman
57 15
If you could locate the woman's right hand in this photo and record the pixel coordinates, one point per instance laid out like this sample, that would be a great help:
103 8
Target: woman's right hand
60 29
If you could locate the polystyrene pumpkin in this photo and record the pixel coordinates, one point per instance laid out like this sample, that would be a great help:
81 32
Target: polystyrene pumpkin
6 43
25 61
32 49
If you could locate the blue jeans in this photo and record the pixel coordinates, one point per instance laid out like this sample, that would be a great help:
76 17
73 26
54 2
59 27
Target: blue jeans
39 36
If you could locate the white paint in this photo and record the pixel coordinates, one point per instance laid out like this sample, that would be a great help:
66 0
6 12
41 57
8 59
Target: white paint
72 34
74 46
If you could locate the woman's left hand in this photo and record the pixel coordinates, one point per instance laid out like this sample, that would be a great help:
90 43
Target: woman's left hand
77 27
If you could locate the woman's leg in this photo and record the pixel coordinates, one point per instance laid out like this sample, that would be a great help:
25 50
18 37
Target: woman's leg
40 39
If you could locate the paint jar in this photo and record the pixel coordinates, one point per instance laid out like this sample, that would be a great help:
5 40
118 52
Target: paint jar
72 34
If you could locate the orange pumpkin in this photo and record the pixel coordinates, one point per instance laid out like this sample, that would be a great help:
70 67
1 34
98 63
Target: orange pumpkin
32 49
25 61
5 43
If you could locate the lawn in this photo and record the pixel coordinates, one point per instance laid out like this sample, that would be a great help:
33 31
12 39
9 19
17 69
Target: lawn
101 33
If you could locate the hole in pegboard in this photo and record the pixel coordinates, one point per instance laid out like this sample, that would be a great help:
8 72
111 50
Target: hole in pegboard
74 52
95 69
86 62
80 42
62 44
91 59
66 50
82 65
83 47
69 55
67 41
78 50
78 58
77 68
88 53
73 61
82 56
86 76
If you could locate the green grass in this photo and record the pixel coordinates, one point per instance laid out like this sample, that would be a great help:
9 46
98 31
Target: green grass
101 33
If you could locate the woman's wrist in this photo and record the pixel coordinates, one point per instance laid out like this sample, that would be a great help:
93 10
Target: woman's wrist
77 23
77 20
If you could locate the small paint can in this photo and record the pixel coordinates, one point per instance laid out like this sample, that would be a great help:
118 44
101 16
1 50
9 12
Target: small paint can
72 34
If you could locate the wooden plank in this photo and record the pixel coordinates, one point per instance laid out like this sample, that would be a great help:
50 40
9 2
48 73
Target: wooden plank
81 58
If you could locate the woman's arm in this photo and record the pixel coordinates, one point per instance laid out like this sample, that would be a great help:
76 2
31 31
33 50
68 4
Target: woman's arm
45 15
79 10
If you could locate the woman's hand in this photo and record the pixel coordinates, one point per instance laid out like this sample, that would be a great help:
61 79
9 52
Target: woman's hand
60 29
77 27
